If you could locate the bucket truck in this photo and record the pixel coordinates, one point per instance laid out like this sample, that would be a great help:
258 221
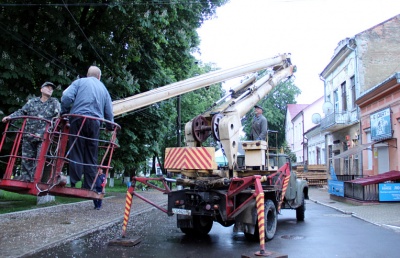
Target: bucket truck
251 189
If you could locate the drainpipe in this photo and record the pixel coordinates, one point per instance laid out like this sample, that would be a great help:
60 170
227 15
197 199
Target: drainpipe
305 161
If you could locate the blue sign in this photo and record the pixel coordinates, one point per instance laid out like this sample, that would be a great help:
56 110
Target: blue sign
336 187
332 172
381 126
389 192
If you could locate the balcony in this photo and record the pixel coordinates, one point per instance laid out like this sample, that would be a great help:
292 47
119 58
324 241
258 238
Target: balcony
339 120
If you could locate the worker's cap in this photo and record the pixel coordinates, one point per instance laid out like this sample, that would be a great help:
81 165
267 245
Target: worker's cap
257 106
48 84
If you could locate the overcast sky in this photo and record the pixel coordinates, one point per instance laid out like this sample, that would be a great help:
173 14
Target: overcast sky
249 30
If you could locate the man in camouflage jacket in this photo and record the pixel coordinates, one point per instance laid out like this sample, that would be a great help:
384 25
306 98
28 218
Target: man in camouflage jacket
44 107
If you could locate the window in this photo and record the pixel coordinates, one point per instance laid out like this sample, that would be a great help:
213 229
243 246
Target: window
336 100
355 166
344 97
346 164
369 152
353 91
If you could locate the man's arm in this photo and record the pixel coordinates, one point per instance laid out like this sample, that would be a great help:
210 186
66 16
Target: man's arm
20 112
68 98
108 112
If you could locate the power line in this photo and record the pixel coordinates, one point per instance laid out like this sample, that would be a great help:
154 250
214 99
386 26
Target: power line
83 33
45 55
101 4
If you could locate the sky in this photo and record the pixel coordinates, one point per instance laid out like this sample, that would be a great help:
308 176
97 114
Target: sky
245 31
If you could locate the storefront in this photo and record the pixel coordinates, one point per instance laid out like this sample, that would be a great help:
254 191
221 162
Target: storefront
380 126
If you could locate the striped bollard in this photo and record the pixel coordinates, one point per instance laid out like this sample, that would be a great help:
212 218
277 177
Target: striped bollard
261 227
284 187
128 205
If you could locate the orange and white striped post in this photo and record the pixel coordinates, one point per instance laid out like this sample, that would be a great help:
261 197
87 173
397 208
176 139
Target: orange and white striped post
260 216
284 187
128 205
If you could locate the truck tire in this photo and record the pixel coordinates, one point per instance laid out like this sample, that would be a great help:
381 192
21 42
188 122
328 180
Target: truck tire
271 219
201 226
270 223
301 210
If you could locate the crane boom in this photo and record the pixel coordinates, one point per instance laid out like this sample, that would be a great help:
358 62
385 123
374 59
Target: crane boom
224 121
137 101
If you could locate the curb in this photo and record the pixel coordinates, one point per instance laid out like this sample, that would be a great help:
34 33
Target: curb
346 212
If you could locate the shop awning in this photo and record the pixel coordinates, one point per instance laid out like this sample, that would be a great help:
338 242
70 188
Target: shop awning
355 150
393 175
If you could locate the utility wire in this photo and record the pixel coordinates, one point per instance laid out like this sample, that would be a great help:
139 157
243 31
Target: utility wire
104 4
40 52
83 33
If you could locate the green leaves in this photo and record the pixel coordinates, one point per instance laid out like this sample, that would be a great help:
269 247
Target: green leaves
139 45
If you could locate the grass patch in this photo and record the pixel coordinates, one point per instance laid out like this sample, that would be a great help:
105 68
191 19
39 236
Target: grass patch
13 202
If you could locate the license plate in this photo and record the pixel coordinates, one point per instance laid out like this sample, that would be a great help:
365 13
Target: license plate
181 211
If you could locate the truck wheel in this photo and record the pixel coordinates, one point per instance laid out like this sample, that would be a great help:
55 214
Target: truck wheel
271 219
201 226
301 210
270 223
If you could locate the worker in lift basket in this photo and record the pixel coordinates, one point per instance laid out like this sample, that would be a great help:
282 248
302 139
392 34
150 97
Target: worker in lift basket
45 107
259 127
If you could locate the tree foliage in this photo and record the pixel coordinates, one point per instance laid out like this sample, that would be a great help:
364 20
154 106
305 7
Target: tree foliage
275 105
139 45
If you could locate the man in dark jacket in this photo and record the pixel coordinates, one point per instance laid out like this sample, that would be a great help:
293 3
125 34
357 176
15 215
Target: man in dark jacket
259 127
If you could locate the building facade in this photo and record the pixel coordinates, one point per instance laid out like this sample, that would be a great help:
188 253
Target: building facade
380 126
298 121
294 130
358 64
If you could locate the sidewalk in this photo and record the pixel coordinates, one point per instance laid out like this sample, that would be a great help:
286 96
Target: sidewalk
384 214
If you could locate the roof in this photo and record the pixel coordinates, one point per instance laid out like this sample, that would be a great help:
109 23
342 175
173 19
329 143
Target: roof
388 176
295 109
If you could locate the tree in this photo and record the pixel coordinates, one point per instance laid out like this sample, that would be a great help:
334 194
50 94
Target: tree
275 105
288 151
139 45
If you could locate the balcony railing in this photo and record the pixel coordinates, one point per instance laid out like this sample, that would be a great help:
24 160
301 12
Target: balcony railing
339 119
